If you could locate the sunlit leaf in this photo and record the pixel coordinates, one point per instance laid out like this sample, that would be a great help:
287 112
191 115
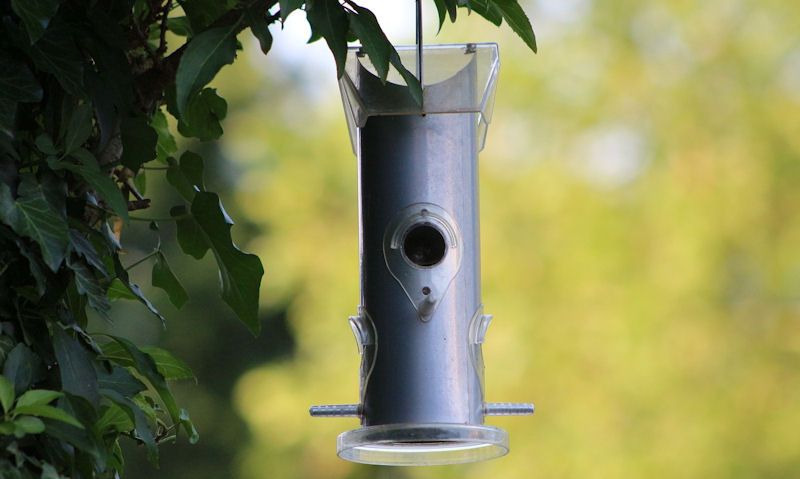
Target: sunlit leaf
329 21
206 54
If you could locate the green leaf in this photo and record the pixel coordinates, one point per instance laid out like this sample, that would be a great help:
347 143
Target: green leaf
44 143
119 379
6 394
8 115
517 20
49 412
201 13
164 278
203 115
187 176
117 290
190 235
165 146
78 376
146 366
487 9
114 418
254 16
288 6
22 368
188 426
35 397
168 365
206 54
240 273
364 24
57 53
139 141
17 83
31 215
87 285
329 20
441 10
90 171
79 128
86 249
27 425
141 425
414 87
35 14
134 289
180 26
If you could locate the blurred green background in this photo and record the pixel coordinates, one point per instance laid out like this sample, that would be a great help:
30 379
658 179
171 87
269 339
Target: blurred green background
640 210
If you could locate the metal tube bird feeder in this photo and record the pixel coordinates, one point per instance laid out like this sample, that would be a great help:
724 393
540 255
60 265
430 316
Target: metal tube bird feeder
421 324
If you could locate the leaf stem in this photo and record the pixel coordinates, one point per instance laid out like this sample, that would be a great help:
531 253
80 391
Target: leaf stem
142 260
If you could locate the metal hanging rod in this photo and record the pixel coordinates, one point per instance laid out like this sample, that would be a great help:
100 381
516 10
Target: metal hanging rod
419 41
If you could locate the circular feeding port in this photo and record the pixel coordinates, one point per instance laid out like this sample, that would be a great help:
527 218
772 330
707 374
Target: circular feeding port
424 245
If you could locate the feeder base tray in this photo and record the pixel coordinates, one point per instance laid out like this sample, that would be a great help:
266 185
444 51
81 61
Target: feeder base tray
422 444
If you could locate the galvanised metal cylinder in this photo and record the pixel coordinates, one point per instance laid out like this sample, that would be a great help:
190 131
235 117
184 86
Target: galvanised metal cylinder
421 324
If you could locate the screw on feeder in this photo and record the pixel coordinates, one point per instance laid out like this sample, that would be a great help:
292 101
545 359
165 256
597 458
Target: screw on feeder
422 387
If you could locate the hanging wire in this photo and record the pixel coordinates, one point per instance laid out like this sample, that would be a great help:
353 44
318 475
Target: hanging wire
419 41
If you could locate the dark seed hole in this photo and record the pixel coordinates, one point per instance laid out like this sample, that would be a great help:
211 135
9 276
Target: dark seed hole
424 245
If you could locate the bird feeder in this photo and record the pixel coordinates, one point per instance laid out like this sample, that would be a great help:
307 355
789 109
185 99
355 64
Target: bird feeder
421 324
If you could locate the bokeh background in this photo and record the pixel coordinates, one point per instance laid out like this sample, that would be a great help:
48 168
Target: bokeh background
640 210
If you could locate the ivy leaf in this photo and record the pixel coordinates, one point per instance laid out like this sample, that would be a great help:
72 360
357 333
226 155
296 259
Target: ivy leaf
86 249
206 54
22 368
364 24
17 83
6 394
168 365
117 290
78 376
36 397
79 128
288 6
240 273
190 235
35 14
139 141
187 176
57 53
329 20
90 171
254 16
164 278
203 115
134 290
517 20
165 146
49 412
32 216
87 285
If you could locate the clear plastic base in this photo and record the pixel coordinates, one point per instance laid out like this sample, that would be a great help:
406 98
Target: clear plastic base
422 444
